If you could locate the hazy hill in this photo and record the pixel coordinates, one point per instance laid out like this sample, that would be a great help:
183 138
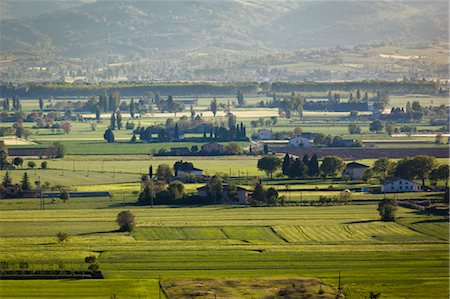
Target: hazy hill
351 22
129 28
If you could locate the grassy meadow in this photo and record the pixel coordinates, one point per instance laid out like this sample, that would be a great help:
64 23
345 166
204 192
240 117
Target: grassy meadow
223 251
403 259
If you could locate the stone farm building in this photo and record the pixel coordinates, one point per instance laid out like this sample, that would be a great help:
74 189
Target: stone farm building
242 195
264 134
400 185
355 170
299 142
191 171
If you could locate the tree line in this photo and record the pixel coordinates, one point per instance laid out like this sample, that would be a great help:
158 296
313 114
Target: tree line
130 89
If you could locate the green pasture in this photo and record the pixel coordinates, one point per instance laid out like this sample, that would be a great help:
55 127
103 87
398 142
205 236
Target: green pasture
405 259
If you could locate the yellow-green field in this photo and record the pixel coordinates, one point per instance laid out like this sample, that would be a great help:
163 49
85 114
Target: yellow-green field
406 259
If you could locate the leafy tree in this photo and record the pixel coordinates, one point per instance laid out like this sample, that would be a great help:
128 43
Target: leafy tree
25 183
240 98
384 167
440 173
390 128
331 166
194 148
439 139
114 101
376 126
298 130
44 165
233 148
213 107
176 190
103 103
67 127
62 237
259 194
416 167
145 196
214 188
126 221
18 161
109 135
272 197
313 166
354 129
64 195
90 259
21 131
164 172
119 120
269 164
319 139
6 179
231 121
59 149
367 175
31 164
387 209
98 113
405 169
112 125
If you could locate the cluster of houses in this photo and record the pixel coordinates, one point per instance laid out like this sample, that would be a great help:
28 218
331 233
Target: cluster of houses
356 171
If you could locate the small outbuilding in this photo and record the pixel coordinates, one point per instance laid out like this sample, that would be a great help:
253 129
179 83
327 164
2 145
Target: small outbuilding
355 170
264 134
299 142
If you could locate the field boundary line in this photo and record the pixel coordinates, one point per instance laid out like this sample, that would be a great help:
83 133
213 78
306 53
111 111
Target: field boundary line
278 235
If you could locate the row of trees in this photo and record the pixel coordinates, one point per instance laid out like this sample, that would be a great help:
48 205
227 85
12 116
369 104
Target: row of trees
302 168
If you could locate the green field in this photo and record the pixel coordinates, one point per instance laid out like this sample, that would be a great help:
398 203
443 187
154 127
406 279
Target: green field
406 259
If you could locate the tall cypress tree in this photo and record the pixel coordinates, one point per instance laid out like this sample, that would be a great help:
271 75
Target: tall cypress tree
306 159
287 160
26 182
113 121
313 166
119 119
132 108
41 104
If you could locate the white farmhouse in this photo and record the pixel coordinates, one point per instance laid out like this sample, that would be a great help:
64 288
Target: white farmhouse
264 134
400 185
299 141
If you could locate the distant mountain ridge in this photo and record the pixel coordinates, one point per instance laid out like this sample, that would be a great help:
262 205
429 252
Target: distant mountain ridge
153 28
